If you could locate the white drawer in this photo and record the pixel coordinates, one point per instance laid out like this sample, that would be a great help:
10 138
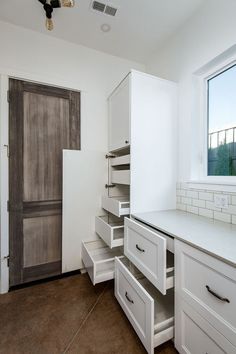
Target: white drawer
118 206
99 260
194 335
120 160
110 230
150 313
200 276
148 251
120 177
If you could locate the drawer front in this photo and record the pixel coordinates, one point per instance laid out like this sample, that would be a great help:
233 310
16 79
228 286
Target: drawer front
208 285
137 304
117 207
194 335
147 250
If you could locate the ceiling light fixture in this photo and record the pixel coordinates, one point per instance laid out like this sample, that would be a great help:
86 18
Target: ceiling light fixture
105 27
49 5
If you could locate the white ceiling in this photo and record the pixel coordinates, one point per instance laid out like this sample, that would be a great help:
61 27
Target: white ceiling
139 28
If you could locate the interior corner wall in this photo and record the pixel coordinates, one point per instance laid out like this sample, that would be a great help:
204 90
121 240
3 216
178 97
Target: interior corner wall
29 55
210 32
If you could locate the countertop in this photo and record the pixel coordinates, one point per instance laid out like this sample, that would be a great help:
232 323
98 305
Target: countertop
214 237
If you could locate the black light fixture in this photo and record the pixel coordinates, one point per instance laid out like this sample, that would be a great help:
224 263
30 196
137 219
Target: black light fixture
49 5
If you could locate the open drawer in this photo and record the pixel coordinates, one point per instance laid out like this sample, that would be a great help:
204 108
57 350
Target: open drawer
118 206
120 177
147 250
99 260
120 160
110 230
150 313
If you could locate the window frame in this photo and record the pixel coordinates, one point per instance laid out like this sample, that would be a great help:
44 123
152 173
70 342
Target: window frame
203 126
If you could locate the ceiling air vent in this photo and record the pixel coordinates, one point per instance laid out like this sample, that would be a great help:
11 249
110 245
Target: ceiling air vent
98 6
109 10
106 9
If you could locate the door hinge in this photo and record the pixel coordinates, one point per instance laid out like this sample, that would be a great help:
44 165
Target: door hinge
8 96
8 205
7 147
6 258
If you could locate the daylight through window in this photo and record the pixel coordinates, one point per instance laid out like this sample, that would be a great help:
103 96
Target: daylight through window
222 123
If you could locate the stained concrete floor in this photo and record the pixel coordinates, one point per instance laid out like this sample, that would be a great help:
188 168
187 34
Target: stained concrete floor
69 315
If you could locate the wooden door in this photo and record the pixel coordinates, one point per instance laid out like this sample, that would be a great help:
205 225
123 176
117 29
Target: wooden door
43 120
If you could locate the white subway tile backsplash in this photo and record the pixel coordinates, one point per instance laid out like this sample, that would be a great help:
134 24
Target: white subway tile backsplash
222 216
233 197
231 209
192 194
211 206
186 200
181 207
201 202
206 212
180 193
178 200
206 196
192 209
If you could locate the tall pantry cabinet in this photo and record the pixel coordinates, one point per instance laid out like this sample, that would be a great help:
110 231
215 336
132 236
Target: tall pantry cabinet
142 164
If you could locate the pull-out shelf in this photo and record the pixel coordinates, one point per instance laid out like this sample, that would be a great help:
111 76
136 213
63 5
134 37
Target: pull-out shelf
120 177
147 250
99 260
120 160
111 231
150 313
118 206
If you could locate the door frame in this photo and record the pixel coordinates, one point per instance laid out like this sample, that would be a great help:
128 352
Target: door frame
5 75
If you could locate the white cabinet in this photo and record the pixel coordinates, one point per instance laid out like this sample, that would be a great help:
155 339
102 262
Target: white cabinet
119 116
194 335
208 286
143 111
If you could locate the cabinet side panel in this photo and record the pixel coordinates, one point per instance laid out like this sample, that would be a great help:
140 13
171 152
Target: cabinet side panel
153 143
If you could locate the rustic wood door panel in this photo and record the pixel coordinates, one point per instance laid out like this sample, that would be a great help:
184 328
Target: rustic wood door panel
44 139
43 121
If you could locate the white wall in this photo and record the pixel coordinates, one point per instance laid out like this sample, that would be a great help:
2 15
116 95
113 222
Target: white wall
33 56
211 31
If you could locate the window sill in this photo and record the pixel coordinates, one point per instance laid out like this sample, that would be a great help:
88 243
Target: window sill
211 185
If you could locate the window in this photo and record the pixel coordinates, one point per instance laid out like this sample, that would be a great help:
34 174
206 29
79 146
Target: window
221 108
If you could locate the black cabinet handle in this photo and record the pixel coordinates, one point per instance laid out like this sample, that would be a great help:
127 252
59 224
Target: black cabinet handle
127 297
224 299
140 249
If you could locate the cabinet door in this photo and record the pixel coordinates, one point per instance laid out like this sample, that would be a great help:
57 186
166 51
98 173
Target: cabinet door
195 335
119 116
84 178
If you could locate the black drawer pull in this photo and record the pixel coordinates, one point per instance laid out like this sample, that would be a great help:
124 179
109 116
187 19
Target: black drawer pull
127 297
140 249
216 295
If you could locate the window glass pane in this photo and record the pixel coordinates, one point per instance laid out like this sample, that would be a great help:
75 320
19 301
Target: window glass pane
222 124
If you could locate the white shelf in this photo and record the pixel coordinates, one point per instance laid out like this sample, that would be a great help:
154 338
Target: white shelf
112 232
120 177
99 260
118 206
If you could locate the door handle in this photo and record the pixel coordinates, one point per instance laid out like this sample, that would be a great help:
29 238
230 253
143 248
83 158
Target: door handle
224 299
127 297
140 249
